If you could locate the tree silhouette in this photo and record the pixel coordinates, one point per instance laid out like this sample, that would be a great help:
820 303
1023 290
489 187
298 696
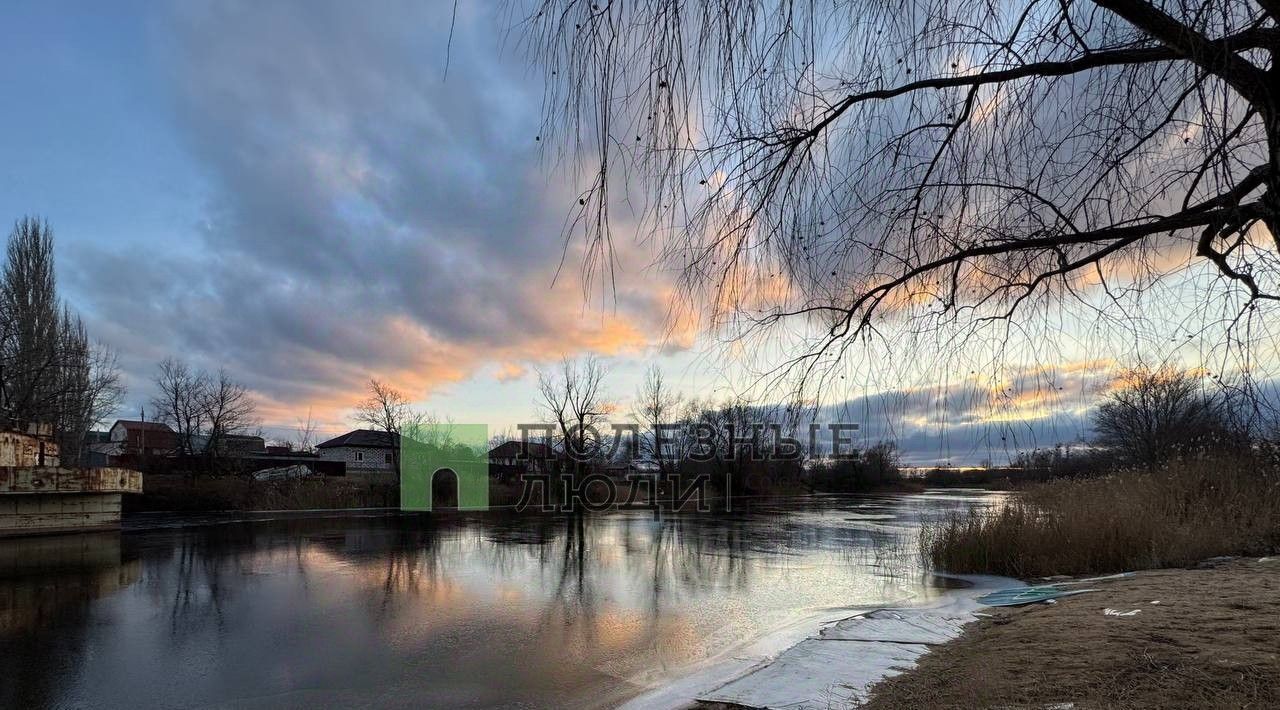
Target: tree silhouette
1158 415
929 162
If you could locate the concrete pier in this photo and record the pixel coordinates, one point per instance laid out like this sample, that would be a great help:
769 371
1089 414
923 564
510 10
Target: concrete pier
38 496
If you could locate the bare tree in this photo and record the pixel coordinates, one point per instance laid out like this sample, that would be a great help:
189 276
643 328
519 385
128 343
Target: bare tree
226 409
384 409
1157 415
203 409
33 320
387 409
178 401
732 431
656 408
306 433
575 402
91 391
848 167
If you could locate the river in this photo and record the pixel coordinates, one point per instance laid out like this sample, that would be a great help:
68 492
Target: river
455 609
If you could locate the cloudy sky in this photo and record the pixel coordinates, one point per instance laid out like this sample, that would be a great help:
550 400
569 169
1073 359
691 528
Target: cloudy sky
297 192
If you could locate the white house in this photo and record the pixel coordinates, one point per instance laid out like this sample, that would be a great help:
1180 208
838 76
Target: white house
365 451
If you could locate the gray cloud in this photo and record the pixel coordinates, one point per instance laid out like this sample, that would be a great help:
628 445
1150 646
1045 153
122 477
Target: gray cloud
977 419
366 216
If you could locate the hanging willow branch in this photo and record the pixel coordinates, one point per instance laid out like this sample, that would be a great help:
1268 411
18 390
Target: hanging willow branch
839 162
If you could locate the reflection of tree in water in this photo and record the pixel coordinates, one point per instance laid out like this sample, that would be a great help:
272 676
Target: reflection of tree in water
665 560
573 599
212 564
683 554
413 559
618 584
209 565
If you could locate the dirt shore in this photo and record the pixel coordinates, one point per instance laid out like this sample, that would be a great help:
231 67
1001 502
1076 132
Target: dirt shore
1211 641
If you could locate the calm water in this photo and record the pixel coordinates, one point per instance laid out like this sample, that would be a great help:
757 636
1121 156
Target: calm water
470 610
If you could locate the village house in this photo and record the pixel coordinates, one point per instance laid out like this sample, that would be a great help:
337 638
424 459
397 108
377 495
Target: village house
365 452
136 438
232 445
373 454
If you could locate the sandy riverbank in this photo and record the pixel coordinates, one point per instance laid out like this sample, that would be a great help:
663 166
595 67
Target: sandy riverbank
1212 641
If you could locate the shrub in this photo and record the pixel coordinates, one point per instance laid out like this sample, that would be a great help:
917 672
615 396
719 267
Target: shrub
1158 415
875 467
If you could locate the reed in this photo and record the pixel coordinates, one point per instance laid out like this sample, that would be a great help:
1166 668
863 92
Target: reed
1176 516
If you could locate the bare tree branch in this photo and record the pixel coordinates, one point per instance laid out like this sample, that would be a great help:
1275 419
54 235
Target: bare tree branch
829 171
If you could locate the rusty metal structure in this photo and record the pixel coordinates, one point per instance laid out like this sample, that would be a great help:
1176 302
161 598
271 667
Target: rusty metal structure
38 495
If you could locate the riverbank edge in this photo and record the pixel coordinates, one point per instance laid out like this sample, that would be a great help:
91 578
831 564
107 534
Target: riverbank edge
739 662
1200 632
178 493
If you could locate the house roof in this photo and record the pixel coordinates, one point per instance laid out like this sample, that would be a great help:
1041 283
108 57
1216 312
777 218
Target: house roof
142 426
515 449
365 438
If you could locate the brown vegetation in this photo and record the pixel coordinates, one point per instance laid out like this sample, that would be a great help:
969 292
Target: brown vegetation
1175 516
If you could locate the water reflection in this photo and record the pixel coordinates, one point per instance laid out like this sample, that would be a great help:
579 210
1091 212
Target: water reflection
414 610
46 585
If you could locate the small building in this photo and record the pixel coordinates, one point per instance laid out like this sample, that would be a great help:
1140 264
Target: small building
510 460
134 438
97 437
629 470
281 456
518 453
364 451
243 445
103 453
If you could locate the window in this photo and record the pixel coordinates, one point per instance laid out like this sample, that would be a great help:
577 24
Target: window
387 459
359 456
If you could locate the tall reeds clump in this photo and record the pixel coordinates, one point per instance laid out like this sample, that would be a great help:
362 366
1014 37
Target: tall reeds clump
1171 517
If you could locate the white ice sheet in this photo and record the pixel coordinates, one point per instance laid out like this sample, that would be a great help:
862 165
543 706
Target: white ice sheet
823 662
818 673
900 625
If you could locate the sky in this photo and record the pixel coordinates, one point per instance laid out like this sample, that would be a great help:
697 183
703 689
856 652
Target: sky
299 193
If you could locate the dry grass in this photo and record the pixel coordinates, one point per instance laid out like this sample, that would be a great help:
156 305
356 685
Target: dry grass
219 493
1126 521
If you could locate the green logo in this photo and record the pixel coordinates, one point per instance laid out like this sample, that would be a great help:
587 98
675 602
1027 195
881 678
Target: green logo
432 450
